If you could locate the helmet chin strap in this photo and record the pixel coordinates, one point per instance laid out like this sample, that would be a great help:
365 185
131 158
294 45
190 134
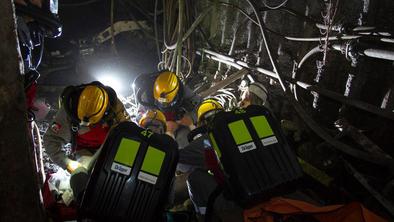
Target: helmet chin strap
85 121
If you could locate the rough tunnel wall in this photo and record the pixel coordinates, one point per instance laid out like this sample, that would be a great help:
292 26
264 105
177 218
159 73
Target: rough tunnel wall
18 185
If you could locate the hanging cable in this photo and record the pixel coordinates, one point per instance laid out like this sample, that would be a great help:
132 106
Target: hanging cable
274 7
265 40
112 28
156 31
88 2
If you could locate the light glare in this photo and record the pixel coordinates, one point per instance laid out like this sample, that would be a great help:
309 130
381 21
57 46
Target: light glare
110 79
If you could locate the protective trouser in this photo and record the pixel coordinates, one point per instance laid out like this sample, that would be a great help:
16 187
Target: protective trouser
80 177
200 185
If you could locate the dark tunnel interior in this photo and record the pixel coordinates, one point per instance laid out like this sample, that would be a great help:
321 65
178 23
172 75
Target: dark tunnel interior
318 145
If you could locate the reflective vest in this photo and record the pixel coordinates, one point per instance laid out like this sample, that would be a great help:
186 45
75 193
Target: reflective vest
92 139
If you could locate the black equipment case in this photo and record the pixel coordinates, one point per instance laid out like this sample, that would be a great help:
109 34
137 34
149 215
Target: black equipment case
253 151
132 176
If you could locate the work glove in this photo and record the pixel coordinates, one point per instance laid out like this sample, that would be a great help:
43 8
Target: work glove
72 165
85 161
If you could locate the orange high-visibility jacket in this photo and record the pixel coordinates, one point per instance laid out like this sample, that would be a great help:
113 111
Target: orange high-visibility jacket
352 212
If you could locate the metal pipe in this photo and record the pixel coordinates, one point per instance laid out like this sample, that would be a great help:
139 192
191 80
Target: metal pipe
180 36
317 39
372 158
379 54
343 99
239 64
386 34
370 52
339 27
344 126
220 85
218 59
327 93
387 40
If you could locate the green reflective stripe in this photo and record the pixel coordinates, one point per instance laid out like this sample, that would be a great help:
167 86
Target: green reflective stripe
215 146
153 161
127 151
316 173
262 126
240 132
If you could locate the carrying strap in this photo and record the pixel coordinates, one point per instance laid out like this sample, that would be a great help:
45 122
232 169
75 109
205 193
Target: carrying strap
192 134
211 203
69 101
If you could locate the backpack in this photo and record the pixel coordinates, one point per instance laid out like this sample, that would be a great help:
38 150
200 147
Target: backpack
132 176
255 160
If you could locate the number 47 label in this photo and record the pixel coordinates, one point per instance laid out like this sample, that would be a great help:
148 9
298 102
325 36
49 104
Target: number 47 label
147 133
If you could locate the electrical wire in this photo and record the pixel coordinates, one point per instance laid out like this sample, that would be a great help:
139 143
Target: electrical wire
294 13
239 9
309 54
88 2
265 40
112 28
318 39
190 66
143 29
156 31
274 7
309 121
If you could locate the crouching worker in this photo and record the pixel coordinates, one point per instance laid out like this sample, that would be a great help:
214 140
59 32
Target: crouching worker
154 120
164 91
86 115
200 182
231 204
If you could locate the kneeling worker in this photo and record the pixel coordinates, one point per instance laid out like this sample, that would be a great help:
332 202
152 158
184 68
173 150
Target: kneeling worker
154 120
164 91
85 117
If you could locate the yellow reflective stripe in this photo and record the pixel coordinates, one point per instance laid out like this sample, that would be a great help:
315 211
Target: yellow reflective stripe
153 161
215 145
127 151
261 126
240 132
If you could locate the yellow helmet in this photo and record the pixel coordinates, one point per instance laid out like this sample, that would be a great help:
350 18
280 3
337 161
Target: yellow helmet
166 87
152 114
207 106
92 104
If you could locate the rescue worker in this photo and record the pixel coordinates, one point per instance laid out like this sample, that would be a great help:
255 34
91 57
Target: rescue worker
255 93
192 162
154 120
36 19
295 206
86 115
192 156
166 92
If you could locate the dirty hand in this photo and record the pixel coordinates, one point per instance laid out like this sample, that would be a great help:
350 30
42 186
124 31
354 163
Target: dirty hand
186 121
85 161
172 126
